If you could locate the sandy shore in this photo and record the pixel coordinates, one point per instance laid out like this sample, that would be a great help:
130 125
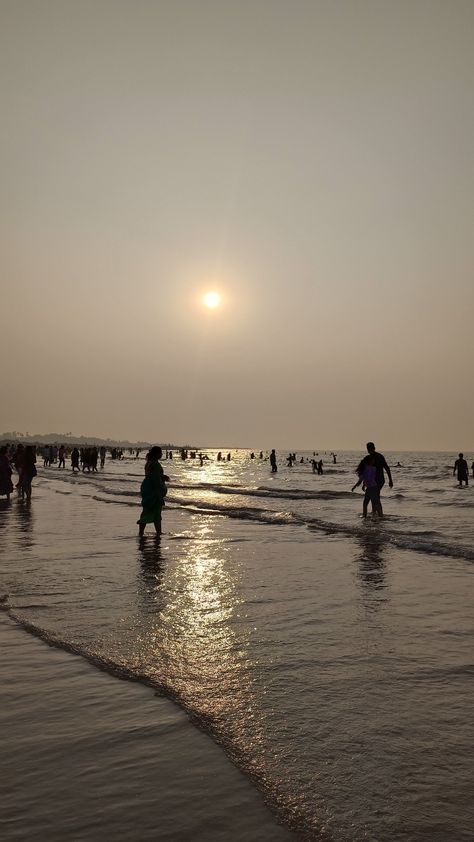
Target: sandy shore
86 756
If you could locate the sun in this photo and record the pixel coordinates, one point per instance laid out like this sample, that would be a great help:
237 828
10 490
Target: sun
211 300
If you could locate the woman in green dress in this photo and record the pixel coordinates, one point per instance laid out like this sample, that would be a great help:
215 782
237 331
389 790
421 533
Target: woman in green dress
153 491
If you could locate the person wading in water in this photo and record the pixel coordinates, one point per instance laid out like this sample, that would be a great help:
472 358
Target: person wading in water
153 492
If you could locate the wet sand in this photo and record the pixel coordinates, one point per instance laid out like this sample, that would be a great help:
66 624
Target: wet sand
86 756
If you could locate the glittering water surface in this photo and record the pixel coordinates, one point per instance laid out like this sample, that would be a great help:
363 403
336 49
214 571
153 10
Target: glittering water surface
330 657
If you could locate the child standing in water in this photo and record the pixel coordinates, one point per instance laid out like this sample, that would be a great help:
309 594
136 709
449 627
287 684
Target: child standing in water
368 477
153 492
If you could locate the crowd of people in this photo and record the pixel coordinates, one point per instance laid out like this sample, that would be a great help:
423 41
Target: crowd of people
371 471
23 459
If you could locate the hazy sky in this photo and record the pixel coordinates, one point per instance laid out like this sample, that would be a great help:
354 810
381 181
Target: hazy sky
310 159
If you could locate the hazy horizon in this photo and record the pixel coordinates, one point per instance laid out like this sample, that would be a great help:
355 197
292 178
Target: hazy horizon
226 446
312 162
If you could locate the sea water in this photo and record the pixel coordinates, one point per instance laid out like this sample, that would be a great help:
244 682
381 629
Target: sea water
330 657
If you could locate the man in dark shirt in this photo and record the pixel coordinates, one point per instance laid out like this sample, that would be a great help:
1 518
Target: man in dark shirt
460 466
381 466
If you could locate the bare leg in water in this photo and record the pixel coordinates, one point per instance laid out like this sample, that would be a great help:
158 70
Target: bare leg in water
156 524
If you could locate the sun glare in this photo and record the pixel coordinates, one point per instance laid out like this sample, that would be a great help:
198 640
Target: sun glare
212 300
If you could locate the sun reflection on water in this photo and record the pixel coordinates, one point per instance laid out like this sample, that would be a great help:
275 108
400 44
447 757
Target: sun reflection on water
203 643
195 640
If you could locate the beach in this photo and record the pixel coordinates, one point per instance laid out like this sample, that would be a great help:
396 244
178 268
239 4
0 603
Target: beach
85 756
314 672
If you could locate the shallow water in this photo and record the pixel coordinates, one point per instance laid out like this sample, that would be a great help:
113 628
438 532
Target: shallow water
87 757
330 657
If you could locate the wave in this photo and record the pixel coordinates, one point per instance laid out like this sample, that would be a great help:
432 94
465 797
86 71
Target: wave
120 493
87 476
303 494
113 500
381 531
277 493
409 542
264 491
238 512
285 806
241 491
207 485
415 542
457 504
440 476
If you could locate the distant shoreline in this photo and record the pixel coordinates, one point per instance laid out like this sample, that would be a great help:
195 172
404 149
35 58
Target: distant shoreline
69 439
83 441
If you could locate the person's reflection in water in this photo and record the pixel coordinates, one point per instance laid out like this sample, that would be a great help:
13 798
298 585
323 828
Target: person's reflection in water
5 506
24 524
372 571
151 573
6 509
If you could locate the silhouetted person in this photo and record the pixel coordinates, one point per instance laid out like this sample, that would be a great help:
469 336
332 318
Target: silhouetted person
102 456
18 460
273 461
75 459
86 459
320 467
27 471
368 478
153 492
62 457
381 467
460 466
6 485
